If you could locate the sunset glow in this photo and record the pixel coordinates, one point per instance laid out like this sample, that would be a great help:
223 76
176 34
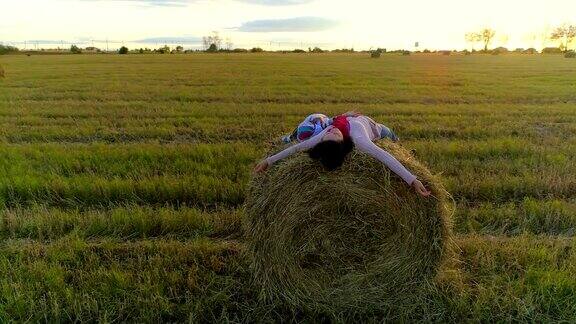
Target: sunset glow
280 24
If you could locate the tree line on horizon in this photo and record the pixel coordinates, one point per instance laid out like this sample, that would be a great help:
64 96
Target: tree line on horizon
565 34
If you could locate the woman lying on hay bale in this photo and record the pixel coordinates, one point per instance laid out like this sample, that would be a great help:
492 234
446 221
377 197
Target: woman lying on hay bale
332 144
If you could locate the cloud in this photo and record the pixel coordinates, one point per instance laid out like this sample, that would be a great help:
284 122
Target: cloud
53 42
156 3
276 2
170 40
298 24
183 3
45 41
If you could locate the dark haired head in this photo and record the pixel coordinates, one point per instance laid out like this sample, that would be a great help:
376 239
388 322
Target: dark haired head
331 153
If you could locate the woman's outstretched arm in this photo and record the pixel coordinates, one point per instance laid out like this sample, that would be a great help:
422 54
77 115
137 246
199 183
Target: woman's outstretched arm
363 142
305 145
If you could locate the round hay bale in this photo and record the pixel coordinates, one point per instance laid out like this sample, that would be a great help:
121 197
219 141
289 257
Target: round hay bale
357 237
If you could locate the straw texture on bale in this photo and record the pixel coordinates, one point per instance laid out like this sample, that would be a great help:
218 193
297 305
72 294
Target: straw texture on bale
357 237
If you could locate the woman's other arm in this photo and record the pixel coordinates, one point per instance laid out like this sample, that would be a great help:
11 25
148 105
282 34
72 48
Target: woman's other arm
363 142
305 145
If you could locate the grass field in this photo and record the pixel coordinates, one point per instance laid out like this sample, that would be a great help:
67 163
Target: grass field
123 178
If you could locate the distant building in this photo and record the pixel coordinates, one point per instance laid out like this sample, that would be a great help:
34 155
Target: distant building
551 50
92 49
500 49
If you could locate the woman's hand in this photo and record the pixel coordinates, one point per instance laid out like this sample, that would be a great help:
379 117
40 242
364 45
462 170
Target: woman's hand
420 189
261 166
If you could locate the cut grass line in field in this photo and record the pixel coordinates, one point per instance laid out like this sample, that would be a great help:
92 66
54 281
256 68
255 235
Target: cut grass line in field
525 278
128 161
126 223
93 191
160 281
505 188
99 174
549 217
132 222
208 190
132 122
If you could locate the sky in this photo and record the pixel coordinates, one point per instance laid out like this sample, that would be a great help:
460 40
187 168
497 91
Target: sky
280 24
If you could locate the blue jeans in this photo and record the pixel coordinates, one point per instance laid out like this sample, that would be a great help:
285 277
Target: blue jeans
388 133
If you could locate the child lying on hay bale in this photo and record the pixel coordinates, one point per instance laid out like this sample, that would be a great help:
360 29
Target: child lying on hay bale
333 143
346 233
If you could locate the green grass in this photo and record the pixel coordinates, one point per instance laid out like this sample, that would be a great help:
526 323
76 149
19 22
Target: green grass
123 179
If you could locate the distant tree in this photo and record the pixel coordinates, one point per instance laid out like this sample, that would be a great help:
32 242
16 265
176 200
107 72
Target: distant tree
240 50
163 50
141 51
297 50
377 53
179 49
75 49
123 50
473 38
256 50
565 34
213 48
212 39
5 49
348 50
487 37
316 50
570 54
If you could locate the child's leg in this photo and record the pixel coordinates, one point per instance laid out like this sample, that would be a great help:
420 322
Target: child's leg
388 133
290 138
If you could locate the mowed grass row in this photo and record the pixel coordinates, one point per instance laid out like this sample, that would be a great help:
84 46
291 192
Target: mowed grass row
129 222
134 222
117 122
106 175
73 279
207 175
530 216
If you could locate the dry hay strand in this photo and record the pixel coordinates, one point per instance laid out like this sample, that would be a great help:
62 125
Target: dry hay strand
356 238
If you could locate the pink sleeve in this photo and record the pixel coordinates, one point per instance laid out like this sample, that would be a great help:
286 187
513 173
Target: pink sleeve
305 145
363 142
